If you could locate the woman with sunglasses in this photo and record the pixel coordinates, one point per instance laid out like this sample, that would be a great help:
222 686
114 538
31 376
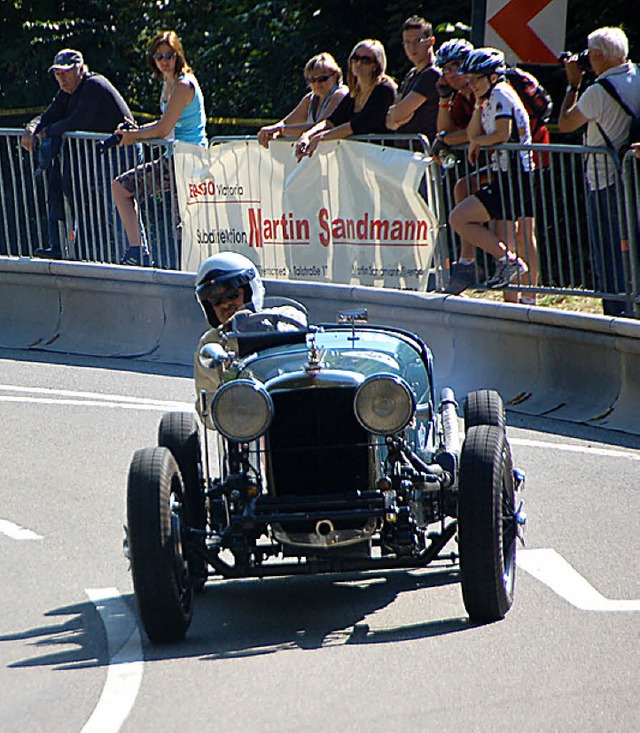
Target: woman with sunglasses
363 111
183 118
324 77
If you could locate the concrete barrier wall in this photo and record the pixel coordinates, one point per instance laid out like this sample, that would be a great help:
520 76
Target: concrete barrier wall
580 368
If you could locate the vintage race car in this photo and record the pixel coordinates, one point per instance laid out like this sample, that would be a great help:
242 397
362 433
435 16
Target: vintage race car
322 450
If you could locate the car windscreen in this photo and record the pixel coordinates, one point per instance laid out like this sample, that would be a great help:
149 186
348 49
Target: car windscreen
366 352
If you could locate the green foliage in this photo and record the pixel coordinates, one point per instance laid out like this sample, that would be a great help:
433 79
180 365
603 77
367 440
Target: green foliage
248 56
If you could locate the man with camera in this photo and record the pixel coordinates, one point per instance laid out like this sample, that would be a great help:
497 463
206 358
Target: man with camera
608 125
86 102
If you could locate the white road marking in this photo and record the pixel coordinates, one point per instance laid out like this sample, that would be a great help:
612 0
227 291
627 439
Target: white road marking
571 448
124 673
16 532
42 395
550 568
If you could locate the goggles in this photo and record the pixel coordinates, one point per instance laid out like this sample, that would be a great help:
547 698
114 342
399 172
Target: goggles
216 294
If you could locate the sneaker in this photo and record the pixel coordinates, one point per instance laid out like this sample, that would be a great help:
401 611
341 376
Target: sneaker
506 272
137 257
48 253
462 277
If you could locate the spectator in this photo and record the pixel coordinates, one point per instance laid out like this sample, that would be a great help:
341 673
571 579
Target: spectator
416 108
324 77
183 116
87 102
607 125
499 116
363 111
457 102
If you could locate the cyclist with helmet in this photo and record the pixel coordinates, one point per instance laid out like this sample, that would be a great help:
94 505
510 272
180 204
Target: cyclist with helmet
228 285
457 102
499 117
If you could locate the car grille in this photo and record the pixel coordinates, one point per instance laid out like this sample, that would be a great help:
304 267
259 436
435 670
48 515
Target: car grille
316 445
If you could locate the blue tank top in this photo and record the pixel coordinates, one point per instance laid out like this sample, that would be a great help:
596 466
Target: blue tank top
190 127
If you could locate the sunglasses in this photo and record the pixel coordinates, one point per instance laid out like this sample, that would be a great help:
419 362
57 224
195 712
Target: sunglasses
366 60
319 79
450 69
159 56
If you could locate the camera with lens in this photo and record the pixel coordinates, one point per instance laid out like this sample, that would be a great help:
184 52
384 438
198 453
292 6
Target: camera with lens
582 59
114 140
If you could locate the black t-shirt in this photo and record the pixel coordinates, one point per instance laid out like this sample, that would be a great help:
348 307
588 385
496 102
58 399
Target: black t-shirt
95 106
425 118
371 118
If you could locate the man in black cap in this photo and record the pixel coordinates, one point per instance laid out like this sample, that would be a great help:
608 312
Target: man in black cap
86 102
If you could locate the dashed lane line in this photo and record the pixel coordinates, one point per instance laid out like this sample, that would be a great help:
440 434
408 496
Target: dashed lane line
16 532
550 568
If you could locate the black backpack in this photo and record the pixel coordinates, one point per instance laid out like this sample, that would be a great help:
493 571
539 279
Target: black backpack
535 98
634 128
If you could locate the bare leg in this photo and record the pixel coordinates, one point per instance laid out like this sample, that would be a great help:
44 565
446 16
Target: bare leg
528 250
463 189
128 209
468 220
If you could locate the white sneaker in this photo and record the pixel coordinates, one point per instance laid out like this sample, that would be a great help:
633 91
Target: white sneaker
506 272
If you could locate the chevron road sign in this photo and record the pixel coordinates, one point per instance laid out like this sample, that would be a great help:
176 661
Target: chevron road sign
528 31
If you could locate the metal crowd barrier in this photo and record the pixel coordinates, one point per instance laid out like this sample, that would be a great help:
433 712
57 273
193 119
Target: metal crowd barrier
558 237
71 196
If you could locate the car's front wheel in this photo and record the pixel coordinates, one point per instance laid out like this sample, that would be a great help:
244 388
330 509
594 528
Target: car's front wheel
486 524
179 432
161 580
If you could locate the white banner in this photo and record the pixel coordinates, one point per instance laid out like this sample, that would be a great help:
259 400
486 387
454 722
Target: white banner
349 214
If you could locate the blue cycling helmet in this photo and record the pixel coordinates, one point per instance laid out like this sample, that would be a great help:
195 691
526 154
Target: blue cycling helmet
456 49
485 61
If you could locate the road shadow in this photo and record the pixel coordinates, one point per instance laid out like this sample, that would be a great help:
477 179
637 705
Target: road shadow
74 638
245 618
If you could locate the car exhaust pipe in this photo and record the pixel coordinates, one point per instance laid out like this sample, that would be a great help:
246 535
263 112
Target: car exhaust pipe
325 528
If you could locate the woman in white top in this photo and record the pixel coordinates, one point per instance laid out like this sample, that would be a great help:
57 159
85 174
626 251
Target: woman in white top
324 77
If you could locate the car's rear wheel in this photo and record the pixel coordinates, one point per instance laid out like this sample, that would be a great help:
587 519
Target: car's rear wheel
484 407
161 578
486 524
179 432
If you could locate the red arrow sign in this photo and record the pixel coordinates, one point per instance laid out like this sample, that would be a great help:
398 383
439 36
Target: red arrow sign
512 24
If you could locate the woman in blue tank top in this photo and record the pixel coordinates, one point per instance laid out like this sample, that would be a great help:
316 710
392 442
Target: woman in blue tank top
183 118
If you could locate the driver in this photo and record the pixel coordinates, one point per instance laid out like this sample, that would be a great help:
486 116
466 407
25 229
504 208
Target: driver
227 285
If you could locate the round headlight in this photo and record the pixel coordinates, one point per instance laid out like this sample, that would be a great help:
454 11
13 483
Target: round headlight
242 410
384 404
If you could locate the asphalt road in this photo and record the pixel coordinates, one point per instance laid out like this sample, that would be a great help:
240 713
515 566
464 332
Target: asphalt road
361 652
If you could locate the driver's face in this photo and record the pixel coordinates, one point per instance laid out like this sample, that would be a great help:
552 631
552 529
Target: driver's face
228 303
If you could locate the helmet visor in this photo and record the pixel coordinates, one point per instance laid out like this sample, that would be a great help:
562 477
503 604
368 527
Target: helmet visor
217 293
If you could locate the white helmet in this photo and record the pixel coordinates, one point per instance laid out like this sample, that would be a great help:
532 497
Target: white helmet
227 270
